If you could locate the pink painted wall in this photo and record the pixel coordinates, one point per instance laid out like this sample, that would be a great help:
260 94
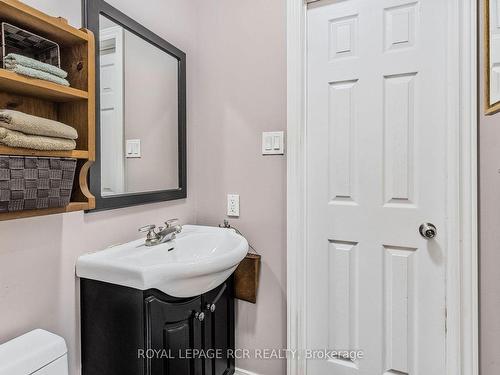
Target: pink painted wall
241 92
489 169
236 89
37 256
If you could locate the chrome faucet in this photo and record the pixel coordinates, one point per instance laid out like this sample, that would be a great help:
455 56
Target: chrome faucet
156 236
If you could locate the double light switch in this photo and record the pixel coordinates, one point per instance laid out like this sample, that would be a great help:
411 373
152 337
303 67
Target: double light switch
133 148
273 143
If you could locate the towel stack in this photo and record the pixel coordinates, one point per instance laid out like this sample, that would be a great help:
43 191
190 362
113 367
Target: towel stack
18 129
35 69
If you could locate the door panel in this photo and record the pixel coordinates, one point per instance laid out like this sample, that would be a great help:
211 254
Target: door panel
173 328
219 329
376 161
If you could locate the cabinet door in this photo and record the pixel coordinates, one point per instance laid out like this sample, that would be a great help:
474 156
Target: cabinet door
172 331
219 329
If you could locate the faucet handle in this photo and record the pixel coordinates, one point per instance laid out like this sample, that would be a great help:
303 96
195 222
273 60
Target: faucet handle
147 228
169 223
152 236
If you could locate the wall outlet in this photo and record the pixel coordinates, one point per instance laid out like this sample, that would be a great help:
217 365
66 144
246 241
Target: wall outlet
233 205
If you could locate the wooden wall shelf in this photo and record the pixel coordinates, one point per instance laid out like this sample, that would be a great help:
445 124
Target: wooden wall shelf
72 207
76 154
17 84
73 105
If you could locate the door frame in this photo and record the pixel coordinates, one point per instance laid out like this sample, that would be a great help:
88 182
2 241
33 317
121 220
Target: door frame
462 205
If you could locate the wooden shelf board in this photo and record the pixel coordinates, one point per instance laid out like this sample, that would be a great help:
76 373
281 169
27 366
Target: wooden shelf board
76 206
72 207
77 154
15 83
53 28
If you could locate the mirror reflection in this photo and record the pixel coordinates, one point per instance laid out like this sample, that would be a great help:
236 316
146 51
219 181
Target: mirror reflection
494 51
139 113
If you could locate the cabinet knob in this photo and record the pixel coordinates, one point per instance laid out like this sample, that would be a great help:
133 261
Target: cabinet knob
200 316
211 307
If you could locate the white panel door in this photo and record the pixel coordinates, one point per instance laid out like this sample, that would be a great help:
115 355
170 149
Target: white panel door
376 170
112 118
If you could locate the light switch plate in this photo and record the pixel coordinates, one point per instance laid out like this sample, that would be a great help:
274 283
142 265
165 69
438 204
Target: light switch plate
273 143
233 205
133 148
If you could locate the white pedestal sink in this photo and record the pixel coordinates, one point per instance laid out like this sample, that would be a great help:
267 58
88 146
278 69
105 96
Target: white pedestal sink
201 259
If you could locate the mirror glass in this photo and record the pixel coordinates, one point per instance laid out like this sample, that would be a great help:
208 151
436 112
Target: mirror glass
493 68
139 113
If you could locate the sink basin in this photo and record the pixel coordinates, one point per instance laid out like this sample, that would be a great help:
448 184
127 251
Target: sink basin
197 261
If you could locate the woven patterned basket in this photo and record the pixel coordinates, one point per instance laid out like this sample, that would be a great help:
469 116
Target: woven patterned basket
29 183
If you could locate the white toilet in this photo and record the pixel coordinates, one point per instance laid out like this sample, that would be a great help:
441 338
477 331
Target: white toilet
37 352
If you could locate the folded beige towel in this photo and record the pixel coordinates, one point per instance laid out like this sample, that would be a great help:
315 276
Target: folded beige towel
35 125
36 142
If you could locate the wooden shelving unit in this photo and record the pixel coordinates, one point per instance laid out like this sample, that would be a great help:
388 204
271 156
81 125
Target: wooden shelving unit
73 105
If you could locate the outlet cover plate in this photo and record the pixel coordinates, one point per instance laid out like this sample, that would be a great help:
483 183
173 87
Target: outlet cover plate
233 205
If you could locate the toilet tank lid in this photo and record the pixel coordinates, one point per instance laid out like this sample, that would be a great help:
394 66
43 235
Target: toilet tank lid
30 352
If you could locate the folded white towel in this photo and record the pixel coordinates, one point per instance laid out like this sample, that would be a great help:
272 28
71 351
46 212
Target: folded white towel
12 138
28 124
35 73
16 59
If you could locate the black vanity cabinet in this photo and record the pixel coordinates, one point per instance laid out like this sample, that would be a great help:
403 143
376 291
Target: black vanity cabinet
127 331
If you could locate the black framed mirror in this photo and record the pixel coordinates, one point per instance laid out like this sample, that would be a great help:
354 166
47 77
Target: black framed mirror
140 112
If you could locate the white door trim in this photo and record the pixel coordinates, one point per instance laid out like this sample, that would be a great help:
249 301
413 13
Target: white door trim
462 272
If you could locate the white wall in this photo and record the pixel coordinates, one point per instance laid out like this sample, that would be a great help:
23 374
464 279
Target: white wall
489 183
